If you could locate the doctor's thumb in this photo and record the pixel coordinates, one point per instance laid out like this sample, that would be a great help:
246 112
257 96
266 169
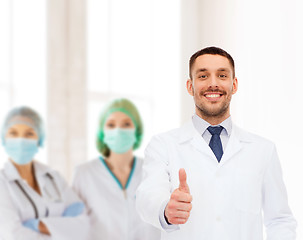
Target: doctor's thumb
182 178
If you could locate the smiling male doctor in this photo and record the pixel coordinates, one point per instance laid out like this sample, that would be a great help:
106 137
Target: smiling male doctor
209 179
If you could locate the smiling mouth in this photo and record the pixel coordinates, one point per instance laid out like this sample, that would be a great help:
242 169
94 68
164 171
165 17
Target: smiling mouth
213 96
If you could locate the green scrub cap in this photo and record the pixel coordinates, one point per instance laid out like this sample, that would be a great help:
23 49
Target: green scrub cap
27 116
119 105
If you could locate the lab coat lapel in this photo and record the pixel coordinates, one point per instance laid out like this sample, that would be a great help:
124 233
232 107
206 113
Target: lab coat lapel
199 143
40 172
190 134
234 146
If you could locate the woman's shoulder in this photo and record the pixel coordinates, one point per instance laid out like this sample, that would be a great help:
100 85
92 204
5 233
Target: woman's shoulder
88 167
9 172
2 177
138 166
139 161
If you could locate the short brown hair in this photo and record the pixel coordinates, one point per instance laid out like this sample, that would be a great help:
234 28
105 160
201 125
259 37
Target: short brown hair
212 51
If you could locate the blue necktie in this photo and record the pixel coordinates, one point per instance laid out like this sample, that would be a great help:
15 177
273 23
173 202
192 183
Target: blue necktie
215 141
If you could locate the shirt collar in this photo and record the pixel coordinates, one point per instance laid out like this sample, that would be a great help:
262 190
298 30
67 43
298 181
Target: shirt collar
201 125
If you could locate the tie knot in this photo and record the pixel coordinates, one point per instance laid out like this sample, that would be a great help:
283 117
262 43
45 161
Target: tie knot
215 130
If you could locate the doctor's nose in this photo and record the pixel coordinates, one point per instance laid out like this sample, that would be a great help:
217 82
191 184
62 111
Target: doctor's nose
213 82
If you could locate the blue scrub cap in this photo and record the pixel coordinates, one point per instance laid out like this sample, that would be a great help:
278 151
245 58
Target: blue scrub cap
27 116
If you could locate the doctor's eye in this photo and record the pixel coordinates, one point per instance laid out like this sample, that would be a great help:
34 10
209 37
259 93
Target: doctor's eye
127 124
12 133
30 134
222 76
110 125
202 76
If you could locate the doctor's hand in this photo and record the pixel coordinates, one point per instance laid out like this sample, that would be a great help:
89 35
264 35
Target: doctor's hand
74 209
43 228
36 225
32 224
178 208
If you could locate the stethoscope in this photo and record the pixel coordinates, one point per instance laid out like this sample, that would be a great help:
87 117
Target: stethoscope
32 201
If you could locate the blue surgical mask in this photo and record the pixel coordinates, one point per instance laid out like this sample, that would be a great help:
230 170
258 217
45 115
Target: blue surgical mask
21 150
119 140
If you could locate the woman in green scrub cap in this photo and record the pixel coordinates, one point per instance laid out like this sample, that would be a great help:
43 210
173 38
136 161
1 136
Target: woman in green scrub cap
108 184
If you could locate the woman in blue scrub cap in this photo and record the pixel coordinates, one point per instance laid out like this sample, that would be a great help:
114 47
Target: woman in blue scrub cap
35 202
108 183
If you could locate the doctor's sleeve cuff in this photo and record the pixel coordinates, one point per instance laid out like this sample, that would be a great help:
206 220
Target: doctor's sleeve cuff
165 225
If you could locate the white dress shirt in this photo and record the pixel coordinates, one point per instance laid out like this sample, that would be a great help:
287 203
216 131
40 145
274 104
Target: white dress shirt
201 126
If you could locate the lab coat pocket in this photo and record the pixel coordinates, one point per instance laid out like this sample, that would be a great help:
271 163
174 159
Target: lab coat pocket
248 192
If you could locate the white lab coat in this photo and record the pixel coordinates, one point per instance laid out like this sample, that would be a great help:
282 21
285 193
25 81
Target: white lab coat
228 197
16 208
111 209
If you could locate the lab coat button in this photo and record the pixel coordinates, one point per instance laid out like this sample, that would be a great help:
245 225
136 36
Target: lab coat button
218 219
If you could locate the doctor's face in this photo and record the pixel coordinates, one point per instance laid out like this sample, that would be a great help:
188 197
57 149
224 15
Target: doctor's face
21 131
118 120
212 86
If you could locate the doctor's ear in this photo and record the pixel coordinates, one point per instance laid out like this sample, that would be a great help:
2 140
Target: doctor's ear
189 86
235 85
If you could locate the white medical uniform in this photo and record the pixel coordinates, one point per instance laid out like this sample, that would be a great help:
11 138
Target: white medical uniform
110 207
19 202
228 197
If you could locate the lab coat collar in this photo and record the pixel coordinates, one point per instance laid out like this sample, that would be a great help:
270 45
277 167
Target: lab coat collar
188 132
238 137
10 171
234 145
201 125
12 174
41 169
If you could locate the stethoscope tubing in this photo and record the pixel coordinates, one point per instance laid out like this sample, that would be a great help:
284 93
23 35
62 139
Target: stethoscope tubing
31 200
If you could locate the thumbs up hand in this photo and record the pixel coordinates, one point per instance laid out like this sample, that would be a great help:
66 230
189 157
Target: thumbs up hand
183 187
178 208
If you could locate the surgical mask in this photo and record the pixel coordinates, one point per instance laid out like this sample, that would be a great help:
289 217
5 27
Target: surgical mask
21 150
119 140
